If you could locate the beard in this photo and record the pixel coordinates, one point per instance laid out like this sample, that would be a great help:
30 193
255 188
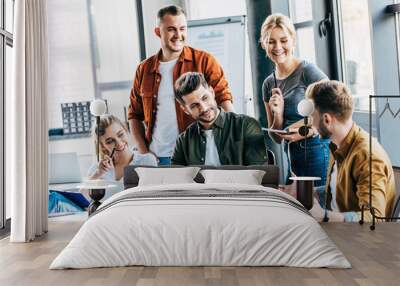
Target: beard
323 131
214 110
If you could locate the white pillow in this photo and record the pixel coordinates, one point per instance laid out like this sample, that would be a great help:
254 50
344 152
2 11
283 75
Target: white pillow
166 176
248 177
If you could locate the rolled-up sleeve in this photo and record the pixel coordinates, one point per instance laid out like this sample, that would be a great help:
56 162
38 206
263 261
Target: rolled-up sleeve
216 78
135 110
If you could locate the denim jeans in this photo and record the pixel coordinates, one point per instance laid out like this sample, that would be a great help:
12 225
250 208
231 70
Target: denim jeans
164 161
309 158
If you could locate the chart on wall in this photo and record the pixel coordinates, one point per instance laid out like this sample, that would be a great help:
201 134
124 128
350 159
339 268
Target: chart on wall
224 38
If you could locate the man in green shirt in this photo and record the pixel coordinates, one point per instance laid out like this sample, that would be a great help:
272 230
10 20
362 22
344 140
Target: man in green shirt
216 137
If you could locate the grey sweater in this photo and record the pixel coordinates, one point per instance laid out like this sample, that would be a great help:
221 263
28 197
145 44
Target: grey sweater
293 89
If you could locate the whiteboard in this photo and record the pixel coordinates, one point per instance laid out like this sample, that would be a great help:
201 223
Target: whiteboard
224 38
389 127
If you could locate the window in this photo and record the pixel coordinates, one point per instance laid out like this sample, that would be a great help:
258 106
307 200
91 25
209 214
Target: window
397 32
302 17
115 46
356 63
9 19
207 9
214 9
6 43
93 52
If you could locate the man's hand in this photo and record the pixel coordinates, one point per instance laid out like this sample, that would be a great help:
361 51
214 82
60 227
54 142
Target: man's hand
289 189
319 213
227 106
154 154
138 136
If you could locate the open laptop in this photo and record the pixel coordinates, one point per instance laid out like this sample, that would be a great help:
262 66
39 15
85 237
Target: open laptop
64 168
65 176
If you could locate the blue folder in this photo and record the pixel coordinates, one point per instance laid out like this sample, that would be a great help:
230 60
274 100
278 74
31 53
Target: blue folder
76 198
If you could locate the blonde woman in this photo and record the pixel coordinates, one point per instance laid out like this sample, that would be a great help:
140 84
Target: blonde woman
283 90
115 152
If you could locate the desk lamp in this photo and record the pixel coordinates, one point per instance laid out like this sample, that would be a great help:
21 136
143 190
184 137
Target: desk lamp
98 108
304 188
305 108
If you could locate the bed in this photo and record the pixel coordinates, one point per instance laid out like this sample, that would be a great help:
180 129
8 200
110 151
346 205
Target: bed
201 224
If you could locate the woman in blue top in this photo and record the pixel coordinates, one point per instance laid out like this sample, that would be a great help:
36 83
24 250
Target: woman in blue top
283 90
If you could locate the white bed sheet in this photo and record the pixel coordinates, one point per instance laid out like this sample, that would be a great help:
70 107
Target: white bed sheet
200 232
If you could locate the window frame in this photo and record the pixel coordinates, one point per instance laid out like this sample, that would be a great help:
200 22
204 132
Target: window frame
6 39
361 117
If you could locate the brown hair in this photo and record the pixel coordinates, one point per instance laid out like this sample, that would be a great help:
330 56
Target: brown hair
273 21
333 97
105 122
169 10
187 83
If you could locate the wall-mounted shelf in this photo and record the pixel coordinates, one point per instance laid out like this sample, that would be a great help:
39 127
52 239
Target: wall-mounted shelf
69 136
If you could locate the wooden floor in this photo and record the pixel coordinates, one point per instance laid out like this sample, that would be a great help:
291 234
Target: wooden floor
374 255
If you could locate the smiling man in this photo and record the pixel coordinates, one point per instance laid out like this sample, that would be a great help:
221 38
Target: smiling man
152 96
216 137
348 181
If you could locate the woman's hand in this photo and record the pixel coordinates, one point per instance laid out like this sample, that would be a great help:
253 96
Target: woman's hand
296 136
105 165
292 137
276 102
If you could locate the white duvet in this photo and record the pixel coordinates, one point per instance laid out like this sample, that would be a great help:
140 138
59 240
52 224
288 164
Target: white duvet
183 231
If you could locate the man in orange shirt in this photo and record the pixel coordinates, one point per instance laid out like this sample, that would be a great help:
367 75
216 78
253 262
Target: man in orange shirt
152 98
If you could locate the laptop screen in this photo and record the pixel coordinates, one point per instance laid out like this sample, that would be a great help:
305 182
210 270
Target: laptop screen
64 168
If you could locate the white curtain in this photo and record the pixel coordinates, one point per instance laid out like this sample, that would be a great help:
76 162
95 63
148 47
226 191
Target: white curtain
27 122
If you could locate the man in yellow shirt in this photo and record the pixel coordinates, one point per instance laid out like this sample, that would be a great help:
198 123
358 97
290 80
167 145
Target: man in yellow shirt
348 180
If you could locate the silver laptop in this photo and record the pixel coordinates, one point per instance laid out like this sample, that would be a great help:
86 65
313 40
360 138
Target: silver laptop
64 168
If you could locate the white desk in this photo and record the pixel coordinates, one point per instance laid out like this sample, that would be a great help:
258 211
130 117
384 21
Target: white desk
69 187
